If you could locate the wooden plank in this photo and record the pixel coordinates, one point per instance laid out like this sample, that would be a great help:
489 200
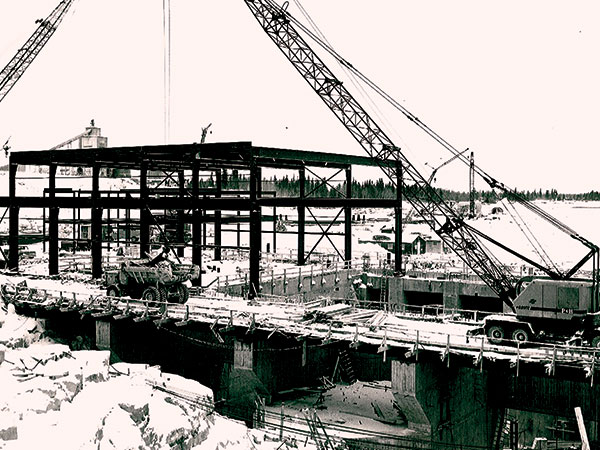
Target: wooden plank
585 443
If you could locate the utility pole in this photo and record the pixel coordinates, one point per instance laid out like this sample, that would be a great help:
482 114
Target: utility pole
472 186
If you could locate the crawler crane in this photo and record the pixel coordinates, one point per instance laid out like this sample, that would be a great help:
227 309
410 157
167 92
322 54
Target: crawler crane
557 303
15 68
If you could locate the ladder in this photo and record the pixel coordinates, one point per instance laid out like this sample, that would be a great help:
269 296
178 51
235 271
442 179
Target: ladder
322 440
346 364
383 291
502 430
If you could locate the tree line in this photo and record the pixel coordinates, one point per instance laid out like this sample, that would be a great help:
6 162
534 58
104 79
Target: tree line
286 186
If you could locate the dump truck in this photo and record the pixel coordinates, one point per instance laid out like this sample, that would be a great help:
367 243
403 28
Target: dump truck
155 280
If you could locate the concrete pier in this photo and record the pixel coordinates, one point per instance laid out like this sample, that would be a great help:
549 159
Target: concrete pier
452 404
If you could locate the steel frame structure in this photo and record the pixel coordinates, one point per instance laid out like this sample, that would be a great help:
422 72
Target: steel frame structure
190 202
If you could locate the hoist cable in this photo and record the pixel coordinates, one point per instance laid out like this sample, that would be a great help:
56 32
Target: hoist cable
511 193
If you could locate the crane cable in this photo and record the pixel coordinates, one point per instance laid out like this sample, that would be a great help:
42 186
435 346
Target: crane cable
533 241
492 182
167 70
353 79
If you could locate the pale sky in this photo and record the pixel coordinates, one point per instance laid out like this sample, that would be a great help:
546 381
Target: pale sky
516 81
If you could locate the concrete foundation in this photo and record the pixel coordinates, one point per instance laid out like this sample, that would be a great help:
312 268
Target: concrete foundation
450 404
453 405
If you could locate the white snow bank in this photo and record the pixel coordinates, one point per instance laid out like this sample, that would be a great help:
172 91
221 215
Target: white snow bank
53 397
17 331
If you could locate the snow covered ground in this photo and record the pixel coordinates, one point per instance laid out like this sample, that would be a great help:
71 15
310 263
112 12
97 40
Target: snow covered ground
56 398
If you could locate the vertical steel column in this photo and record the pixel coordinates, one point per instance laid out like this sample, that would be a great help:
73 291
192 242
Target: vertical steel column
275 229
79 217
144 211
127 223
196 224
96 224
255 230
109 228
180 215
238 229
52 222
218 193
13 220
348 219
118 224
44 225
301 215
399 223
74 225
472 186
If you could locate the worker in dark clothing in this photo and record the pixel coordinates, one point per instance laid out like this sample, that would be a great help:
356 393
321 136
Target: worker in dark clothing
162 256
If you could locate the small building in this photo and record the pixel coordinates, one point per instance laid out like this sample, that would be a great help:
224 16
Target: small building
434 245
463 209
413 245
90 138
388 229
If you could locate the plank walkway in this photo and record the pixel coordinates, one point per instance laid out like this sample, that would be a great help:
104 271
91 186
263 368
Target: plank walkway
447 333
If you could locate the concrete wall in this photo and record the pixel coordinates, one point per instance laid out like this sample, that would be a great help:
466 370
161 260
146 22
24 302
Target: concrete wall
454 405
307 287
543 400
449 293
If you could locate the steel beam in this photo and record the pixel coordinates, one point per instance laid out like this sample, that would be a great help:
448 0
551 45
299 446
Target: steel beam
222 204
182 156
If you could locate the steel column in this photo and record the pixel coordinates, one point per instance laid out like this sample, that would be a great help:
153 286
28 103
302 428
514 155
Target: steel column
348 218
180 215
52 223
301 215
398 221
218 193
275 229
196 224
255 231
144 211
96 224
13 220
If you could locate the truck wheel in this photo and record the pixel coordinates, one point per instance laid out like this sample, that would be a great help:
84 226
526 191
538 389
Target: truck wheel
113 291
151 295
183 293
596 342
164 294
520 335
495 334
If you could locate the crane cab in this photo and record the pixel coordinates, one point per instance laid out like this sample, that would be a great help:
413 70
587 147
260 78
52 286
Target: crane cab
545 307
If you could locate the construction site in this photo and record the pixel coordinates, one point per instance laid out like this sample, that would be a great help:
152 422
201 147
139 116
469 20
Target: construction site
177 297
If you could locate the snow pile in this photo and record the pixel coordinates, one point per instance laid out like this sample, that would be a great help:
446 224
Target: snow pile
54 397
17 331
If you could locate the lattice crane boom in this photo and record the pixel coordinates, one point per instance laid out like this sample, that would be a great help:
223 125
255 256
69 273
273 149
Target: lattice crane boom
427 201
15 68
